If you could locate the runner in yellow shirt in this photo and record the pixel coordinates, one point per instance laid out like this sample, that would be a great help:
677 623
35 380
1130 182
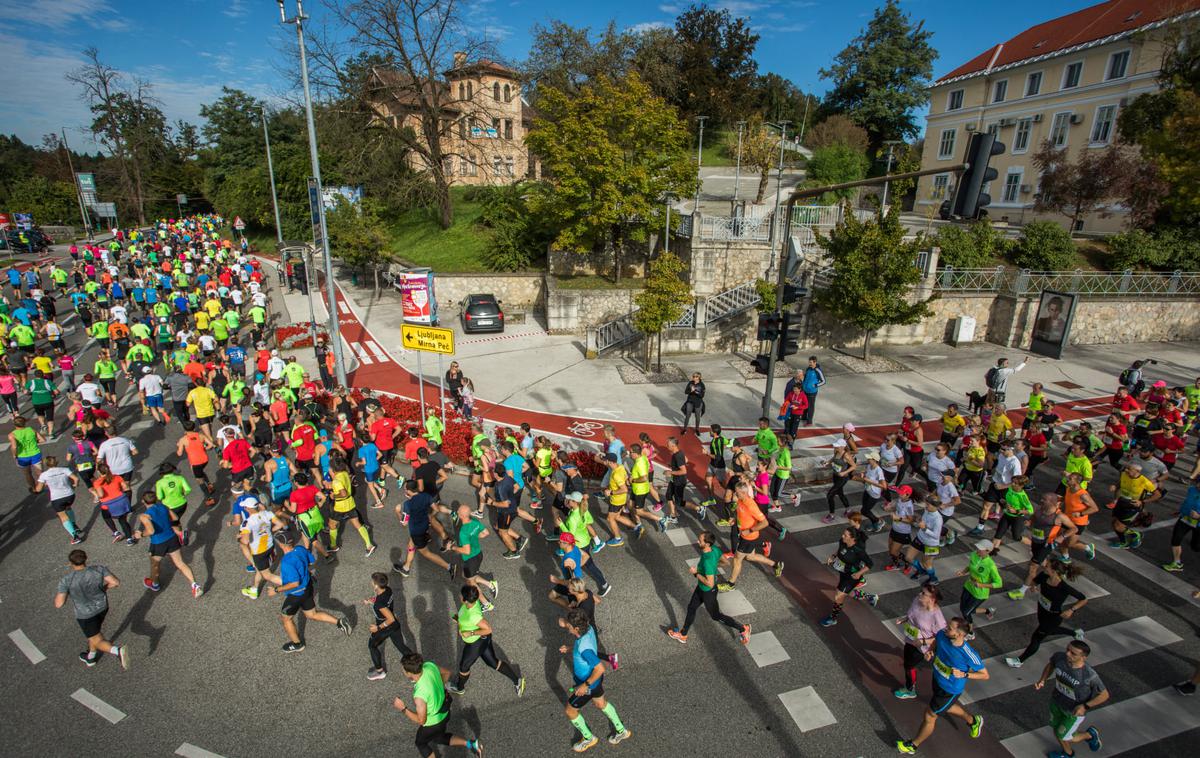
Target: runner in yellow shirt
344 507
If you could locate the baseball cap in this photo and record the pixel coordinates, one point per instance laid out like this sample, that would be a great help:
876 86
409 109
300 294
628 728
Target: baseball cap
872 455
146 369
985 546
567 537
250 501
575 497
839 443
1159 383
848 427
904 490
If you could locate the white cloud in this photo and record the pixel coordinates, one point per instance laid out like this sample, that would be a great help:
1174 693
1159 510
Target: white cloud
61 14
671 8
236 9
646 26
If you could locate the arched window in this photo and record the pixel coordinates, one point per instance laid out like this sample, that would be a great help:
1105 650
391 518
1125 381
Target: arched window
507 94
470 91
496 91
461 91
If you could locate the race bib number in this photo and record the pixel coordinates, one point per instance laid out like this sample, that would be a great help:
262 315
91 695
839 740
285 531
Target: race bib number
1044 602
1065 690
932 550
943 668
1192 521
912 632
1038 533
83 466
838 565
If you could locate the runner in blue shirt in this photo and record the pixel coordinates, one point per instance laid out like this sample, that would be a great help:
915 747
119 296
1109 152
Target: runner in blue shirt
296 582
954 662
156 524
587 673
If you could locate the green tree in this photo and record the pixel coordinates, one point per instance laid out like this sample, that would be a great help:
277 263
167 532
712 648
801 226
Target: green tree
611 154
661 302
356 235
716 64
882 77
974 246
873 275
837 129
760 151
1044 246
48 201
833 165
778 99
518 235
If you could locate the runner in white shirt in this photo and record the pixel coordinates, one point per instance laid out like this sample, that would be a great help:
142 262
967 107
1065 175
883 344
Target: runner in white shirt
118 453
89 391
259 298
61 483
237 297
118 313
150 388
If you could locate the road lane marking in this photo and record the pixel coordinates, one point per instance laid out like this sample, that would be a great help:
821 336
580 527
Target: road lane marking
97 706
681 537
734 603
26 646
188 750
1108 643
1147 570
766 649
807 709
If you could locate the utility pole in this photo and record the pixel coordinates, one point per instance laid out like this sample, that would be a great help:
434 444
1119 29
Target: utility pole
667 226
334 333
737 174
271 171
699 160
891 144
775 226
804 119
83 214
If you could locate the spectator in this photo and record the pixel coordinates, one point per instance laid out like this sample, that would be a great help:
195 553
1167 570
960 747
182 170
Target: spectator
693 403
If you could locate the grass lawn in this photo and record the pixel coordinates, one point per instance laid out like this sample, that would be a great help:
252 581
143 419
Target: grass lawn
713 151
417 238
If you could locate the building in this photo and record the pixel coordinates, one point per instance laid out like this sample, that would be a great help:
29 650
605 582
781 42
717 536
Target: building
483 123
1064 81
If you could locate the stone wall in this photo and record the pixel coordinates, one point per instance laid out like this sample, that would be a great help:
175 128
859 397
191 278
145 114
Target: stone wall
573 310
515 291
717 265
570 263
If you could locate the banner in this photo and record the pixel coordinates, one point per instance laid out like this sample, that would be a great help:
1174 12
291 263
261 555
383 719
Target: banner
416 296
24 220
1052 324
330 195
87 182
4 221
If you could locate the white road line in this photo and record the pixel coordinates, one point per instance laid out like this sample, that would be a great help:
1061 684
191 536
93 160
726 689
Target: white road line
97 706
807 709
26 646
734 603
378 351
1147 570
361 352
1127 725
681 537
766 649
1008 610
188 750
1108 643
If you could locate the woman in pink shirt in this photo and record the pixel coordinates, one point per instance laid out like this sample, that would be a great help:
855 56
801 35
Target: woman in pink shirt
66 364
8 389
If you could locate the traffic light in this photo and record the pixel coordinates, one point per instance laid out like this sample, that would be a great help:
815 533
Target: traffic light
969 197
792 293
768 326
761 363
788 345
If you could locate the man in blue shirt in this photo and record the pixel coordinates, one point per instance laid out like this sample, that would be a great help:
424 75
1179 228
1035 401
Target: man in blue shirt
954 662
156 523
417 508
236 355
587 673
296 582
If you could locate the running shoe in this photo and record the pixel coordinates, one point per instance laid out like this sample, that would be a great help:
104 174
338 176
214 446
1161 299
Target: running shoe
86 657
702 512
640 529
406 573
662 526
656 508
778 569
249 569
535 505
123 657
452 570
724 522
455 689
976 532
1014 662
1094 743
726 587
827 519
250 592
495 589
976 726
904 693
477 514
906 747
117 537
951 536
989 613
908 570
708 502
1137 541
872 600
1064 559
1017 594
620 737
150 585
828 621
775 509
861 583
614 660
293 647
605 590
197 590
537 526
598 545
727 555
485 605
744 635
344 627
1187 689
522 544
77 538
187 536
375 675
520 687
507 555
1090 550
1079 634
1117 545
370 551
766 550
796 499
476 747
550 536
585 745
130 542
677 636
783 533
330 558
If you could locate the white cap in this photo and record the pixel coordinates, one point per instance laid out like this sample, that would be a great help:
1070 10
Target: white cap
146 369
985 546
839 443
250 501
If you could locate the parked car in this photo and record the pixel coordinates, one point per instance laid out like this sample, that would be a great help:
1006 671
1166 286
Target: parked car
481 313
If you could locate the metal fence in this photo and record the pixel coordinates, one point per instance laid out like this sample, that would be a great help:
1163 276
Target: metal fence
740 227
731 302
723 305
1102 283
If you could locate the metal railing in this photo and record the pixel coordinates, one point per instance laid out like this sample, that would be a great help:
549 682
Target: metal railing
741 227
1102 283
731 302
617 332
804 216
684 229
723 305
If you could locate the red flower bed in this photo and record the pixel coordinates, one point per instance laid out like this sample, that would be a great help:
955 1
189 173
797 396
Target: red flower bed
297 335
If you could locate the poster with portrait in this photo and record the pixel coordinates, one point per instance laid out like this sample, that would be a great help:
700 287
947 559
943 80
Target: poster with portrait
1052 323
417 296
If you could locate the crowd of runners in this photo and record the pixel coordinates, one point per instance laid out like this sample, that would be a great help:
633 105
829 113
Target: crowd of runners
181 318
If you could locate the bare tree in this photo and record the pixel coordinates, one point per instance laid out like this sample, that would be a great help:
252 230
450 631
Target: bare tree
102 86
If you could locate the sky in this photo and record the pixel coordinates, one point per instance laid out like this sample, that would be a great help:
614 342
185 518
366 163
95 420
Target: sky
189 49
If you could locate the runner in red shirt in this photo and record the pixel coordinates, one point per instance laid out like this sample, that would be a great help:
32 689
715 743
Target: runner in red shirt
383 433
1168 444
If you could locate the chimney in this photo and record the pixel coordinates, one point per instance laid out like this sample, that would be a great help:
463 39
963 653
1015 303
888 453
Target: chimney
460 59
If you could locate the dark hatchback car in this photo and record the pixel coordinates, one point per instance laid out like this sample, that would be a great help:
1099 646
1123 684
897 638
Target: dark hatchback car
481 313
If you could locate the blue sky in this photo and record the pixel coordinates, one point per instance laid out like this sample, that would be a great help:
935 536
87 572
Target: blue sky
189 48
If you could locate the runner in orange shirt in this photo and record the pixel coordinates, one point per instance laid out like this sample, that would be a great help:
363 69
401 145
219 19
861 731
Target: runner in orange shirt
1078 505
195 446
750 523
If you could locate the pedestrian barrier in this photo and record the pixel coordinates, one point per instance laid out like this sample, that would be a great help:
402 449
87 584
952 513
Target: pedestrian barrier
1101 283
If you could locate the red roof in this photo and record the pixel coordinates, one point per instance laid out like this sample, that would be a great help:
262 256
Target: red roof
1078 28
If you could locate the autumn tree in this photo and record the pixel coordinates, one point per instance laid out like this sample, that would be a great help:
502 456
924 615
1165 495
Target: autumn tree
836 129
760 151
1094 182
661 302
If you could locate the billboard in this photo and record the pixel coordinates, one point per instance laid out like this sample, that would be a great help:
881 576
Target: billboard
24 220
330 195
416 296
1052 324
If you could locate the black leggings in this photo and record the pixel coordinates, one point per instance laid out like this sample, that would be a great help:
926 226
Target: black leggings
868 504
428 736
912 658
1049 625
912 462
839 484
1034 462
972 481
481 648
112 527
1180 530
709 601
375 644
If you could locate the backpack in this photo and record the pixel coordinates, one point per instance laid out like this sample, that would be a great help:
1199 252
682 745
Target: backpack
989 378
1126 377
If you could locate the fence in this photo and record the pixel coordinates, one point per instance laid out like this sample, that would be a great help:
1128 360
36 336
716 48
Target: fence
1104 283
740 227
719 307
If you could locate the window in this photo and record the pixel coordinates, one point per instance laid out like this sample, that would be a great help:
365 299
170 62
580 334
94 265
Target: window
1033 84
941 183
1059 129
1021 137
994 129
1102 126
1118 63
946 146
495 128
462 91
462 128
496 91
508 128
448 166
1012 187
467 167
507 94
955 100
508 167
470 91
497 165
1072 74
1000 91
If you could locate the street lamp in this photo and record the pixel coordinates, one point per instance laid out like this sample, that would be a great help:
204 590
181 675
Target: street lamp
737 173
334 334
782 127
271 171
891 143
699 159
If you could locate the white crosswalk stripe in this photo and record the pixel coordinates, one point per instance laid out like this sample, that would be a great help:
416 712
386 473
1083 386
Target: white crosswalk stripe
807 709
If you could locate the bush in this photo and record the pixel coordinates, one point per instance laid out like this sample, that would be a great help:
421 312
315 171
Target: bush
1137 249
1044 246
518 237
975 246
1182 248
766 295
835 164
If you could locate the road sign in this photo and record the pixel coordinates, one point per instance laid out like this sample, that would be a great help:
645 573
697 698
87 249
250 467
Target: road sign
314 209
238 223
431 339
181 199
87 182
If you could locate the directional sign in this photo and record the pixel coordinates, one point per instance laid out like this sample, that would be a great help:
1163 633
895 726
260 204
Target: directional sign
431 339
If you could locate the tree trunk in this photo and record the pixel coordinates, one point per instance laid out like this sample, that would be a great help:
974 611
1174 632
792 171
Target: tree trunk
646 353
867 345
445 204
658 365
762 185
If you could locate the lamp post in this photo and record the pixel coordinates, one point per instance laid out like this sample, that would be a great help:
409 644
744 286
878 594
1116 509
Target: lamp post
271 171
891 144
699 160
334 334
737 173
775 234
83 214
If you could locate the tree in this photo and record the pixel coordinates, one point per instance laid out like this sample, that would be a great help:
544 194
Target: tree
662 301
716 64
50 202
519 236
612 153
837 129
1095 181
566 57
882 77
778 99
834 165
873 275
1044 246
760 151
354 231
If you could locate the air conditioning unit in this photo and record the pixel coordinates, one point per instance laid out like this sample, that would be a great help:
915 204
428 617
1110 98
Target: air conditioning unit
1006 122
1076 118
972 127
1037 118
1026 189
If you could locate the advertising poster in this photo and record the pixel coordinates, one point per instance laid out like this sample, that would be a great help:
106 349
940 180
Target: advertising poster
417 297
1052 323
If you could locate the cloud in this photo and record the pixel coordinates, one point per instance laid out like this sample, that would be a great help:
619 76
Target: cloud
236 9
671 8
646 26
62 14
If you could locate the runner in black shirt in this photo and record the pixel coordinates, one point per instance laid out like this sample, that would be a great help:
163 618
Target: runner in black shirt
385 627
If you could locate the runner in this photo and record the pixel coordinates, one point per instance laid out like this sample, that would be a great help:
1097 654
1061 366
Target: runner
385 628
61 484
954 662
1047 524
982 578
155 523
1187 524
345 508
476 634
852 563
1051 584
587 670
88 588
900 535
926 543
1134 491
418 509
1077 690
750 522
466 544
431 707
298 585
26 451
255 532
